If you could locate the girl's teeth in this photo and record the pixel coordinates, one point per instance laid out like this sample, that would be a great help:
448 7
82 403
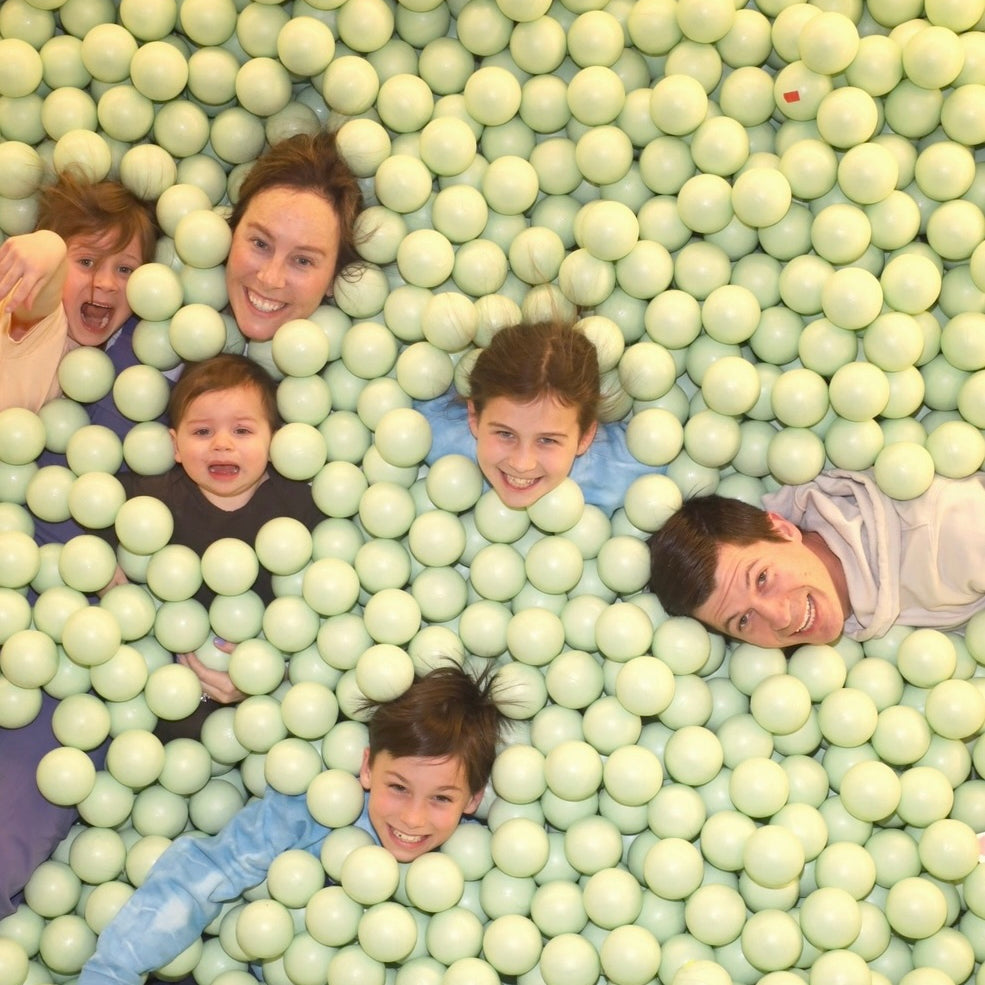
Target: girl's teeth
512 480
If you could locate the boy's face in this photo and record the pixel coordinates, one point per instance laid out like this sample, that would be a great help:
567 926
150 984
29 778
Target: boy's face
282 260
775 593
95 291
415 803
525 450
223 443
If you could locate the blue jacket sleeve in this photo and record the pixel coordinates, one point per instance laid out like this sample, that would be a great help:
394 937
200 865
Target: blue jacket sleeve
189 883
449 420
608 468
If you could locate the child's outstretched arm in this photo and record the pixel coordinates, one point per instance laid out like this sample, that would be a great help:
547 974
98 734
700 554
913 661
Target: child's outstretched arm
189 883
32 274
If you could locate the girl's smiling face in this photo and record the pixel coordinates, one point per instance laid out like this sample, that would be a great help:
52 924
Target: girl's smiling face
526 449
282 260
95 291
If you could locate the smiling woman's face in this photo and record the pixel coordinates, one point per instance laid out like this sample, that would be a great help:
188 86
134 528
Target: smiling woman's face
282 260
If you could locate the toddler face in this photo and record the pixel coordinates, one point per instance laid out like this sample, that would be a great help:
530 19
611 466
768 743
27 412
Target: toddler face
223 443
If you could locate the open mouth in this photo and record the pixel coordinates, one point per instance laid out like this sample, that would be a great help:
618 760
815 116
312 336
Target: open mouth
96 317
264 305
223 470
809 616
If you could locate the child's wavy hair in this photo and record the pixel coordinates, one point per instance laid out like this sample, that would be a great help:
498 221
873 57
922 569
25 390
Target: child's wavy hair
525 362
446 712
75 207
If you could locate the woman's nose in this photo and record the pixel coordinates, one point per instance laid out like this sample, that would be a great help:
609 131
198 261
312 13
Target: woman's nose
271 273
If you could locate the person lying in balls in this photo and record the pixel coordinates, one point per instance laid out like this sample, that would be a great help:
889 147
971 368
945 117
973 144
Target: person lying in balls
430 754
64 285
830 557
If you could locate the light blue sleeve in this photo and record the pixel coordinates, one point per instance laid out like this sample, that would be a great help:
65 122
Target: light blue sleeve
189 883
449 419
608 468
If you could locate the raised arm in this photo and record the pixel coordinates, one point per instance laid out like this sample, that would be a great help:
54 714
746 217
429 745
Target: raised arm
32 274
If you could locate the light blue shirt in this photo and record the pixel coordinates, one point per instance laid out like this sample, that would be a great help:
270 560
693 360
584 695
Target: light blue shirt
189 883
604 472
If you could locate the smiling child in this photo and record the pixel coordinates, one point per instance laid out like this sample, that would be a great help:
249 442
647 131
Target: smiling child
430 754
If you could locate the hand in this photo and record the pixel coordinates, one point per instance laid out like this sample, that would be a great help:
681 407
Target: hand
32 271
119 578
216 684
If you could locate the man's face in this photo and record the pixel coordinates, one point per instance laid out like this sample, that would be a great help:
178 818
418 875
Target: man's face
415 803
95 291
775 593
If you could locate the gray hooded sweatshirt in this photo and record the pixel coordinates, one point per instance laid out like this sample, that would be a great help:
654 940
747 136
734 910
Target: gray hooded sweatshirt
919 562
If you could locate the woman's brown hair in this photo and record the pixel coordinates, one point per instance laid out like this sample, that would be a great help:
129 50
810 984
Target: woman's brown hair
309 162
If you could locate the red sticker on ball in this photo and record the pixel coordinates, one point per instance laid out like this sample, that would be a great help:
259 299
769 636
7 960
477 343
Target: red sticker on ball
791 97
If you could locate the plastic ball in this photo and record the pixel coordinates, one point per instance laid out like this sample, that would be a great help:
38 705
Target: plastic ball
904 470
65 776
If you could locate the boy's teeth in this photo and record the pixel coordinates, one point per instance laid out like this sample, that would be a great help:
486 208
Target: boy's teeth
407 839
512 480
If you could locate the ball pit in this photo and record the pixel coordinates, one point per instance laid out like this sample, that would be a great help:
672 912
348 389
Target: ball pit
771 218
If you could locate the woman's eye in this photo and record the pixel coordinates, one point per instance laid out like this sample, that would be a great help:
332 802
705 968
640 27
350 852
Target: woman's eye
743 622
125 271
761 578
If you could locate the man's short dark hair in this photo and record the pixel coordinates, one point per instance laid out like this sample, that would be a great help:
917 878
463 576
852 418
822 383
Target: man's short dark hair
684 551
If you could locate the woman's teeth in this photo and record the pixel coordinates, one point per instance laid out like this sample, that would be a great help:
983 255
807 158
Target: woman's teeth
263 304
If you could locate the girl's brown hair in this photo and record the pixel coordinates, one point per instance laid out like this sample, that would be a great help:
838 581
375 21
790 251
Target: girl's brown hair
544 359
74 207
223 372
308 162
